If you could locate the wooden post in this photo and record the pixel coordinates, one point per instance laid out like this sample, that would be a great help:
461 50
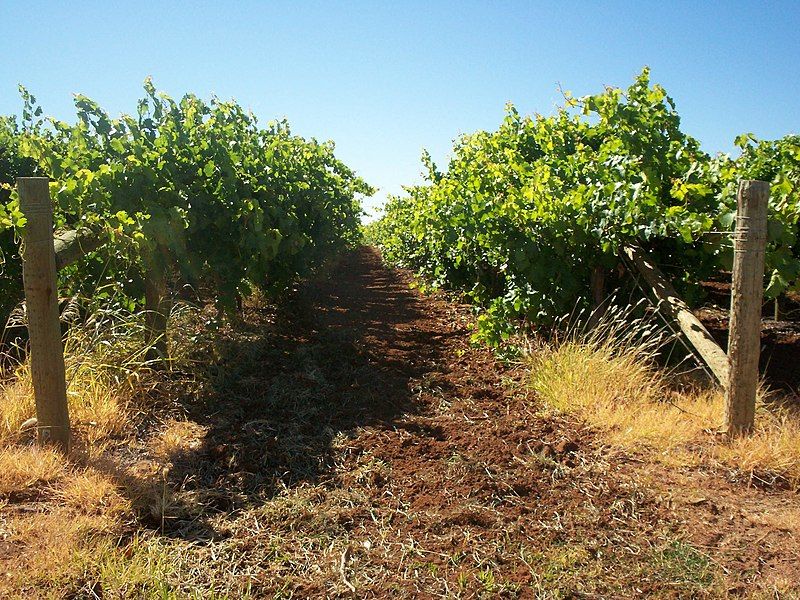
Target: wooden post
156 305
597 283
747 292
41 301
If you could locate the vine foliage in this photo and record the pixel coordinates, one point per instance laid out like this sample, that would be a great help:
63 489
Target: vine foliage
523 215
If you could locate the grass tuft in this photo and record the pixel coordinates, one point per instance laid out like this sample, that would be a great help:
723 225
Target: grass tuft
25 467
92 493
609 377
98 377
82 498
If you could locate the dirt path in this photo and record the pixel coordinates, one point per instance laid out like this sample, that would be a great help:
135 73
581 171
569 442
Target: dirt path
360 446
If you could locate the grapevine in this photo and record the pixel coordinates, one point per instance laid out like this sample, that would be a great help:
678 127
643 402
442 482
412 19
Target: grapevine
523 215
185 189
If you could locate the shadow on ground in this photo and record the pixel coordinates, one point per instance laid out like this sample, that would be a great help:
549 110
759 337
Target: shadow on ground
339 355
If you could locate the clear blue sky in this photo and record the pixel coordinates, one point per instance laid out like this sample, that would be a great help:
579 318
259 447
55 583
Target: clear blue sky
386 79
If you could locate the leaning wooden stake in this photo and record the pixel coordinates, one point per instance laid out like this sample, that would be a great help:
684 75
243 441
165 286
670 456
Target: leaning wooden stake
747 292
41 301
72 245
691 327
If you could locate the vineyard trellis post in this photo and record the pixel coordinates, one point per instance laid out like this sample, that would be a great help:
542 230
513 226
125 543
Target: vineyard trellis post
156 313
41 301
747 293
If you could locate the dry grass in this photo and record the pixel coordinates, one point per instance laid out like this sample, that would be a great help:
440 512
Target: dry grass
22 468
96 391
45 546
69 518
773 447
176 438
65 515
93 493
608 377
61 554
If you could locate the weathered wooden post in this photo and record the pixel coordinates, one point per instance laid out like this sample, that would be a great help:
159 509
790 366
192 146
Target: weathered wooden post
156 304
41 301
156 307
747 293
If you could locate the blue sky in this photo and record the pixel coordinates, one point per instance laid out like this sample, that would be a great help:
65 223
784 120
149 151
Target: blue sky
386 79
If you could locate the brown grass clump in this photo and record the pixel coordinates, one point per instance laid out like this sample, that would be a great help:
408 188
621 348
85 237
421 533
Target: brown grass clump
81 500
22 468
93 493
45 546
609 378
95 392
176 438
774 446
